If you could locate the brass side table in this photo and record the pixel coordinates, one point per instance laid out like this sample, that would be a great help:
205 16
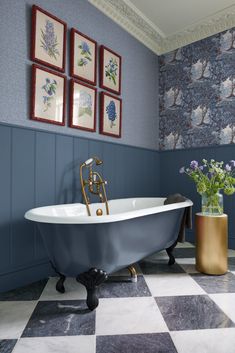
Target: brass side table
211 244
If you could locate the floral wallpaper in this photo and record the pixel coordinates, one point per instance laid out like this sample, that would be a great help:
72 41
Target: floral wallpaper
197 94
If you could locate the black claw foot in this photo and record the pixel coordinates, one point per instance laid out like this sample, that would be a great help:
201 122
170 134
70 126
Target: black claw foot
91 280
60 284
170 254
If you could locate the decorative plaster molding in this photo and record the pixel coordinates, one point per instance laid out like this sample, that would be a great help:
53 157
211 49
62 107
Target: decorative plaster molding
133 21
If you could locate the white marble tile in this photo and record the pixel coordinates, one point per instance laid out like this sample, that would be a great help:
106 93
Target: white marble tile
172 285
226 302
186 261
231 253
69 344
129 316
73 290
205 341
14 317
185 245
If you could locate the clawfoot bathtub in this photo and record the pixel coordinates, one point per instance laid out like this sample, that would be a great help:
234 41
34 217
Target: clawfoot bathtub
92 247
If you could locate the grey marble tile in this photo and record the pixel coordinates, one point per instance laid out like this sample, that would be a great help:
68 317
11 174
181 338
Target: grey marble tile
231 263
159 266
216 284
141 343
6 346
184 252
193 312
60 318
124 289
30 292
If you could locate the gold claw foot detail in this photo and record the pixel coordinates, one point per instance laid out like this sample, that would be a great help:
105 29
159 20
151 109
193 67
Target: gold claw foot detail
133 273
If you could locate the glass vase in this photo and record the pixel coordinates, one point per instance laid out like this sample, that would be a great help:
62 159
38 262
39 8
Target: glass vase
212 204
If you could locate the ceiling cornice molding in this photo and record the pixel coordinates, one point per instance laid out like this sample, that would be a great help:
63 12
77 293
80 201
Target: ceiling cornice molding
206 28
134 22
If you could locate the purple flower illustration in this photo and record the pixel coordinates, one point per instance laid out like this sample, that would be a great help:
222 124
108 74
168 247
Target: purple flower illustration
111 111
111 70
50 89
49 40
85 54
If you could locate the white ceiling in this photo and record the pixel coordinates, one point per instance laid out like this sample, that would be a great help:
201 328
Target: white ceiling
173 16
165 25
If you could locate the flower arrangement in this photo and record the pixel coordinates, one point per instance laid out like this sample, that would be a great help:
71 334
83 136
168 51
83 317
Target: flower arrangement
211 177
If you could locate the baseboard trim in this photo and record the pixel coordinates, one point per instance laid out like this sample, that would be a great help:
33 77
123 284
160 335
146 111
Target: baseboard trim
25 276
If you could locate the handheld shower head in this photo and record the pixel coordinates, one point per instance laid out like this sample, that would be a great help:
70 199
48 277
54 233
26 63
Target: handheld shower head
89 162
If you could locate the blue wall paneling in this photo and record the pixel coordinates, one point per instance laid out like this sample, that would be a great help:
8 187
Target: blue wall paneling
41 168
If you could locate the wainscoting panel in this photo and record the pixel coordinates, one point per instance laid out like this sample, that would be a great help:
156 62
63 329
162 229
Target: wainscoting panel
42 168
5 198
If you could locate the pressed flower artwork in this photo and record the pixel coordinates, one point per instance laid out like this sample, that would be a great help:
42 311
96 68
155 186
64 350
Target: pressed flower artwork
110 67
48 96
110 115
48 39
83 57
82 106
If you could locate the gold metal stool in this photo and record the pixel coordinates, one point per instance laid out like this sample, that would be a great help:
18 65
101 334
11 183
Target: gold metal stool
211 244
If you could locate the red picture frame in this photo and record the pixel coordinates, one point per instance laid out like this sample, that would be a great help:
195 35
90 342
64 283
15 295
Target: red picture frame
88 89
48 57
108 78
38 106
86 76
107 107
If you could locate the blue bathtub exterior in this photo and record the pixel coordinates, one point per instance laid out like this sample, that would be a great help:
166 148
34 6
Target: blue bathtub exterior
75 248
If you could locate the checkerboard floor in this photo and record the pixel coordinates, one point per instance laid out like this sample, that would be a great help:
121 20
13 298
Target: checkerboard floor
169 310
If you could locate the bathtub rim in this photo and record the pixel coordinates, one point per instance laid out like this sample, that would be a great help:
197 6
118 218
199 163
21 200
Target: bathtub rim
34 216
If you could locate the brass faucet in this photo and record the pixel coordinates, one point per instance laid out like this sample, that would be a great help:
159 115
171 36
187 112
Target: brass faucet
95 183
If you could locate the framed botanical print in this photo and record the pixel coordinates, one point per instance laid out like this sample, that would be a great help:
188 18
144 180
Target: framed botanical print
82 106
110 115
110 70
48 39
83 57
48 96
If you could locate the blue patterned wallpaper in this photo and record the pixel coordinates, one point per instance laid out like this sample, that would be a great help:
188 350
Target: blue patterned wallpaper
197 94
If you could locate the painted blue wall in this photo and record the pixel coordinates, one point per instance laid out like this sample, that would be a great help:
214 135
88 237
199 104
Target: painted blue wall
42 168
197 94
139 69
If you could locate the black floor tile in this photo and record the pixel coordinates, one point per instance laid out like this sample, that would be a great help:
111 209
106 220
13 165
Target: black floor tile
124 289
193 312
184 252
6 346
141 343
216 284
159 266
60 318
